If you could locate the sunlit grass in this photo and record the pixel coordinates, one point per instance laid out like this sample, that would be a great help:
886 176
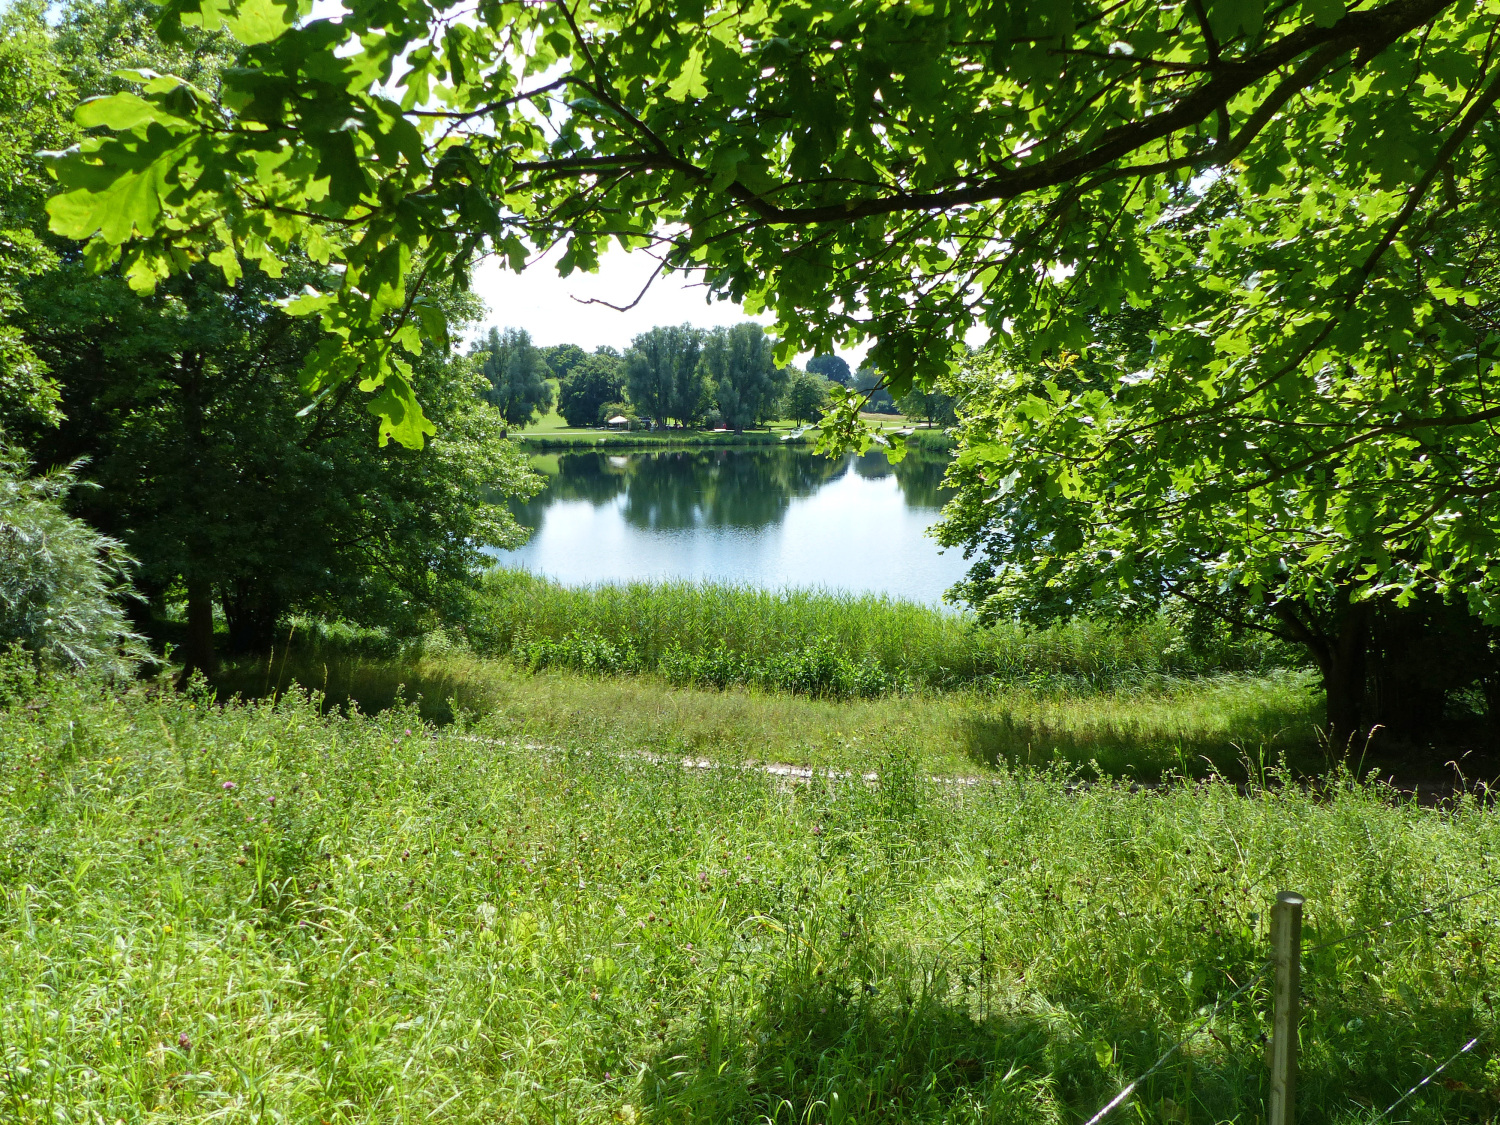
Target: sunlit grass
921 645
253 915
1232 723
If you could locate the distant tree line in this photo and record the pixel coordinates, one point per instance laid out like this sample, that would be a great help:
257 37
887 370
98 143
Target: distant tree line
678 375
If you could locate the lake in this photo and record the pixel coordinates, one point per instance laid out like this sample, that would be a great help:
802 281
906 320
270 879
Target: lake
774 516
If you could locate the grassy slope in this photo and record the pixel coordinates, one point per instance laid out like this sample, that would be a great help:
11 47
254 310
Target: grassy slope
1130 702
1232 723
255 915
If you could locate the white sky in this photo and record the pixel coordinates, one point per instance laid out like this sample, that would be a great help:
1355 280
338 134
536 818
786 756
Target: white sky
544 304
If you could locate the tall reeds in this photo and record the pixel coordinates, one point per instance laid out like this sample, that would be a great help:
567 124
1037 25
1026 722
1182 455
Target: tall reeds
700 629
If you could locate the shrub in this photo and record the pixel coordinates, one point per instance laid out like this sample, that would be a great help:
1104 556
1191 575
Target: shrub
59 578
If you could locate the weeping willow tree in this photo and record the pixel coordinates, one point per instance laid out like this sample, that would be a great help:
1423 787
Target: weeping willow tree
60 580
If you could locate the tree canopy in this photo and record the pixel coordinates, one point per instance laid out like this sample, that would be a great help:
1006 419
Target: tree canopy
806 396
877 168
1302 195
744 378
831 367
517 375
592 384
184 405
664 376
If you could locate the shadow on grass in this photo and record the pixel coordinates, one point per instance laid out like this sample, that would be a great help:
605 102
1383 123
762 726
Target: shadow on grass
369 683
1145 752
817 1050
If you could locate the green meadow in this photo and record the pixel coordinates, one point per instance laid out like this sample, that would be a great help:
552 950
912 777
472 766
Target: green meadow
257 912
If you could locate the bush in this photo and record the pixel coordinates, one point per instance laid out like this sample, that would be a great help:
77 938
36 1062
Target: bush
59 578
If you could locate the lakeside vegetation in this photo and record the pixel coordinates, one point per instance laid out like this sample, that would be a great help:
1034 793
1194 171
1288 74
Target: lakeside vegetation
806 677
550 439
1235 724
667 626
309 817
253 913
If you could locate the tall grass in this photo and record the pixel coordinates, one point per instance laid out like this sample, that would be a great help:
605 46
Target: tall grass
260 914
696 632
1231 723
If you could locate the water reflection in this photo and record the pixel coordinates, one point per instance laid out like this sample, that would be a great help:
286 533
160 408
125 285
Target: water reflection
773 516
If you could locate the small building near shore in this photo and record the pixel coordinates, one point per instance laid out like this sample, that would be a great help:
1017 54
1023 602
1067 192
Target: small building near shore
618 422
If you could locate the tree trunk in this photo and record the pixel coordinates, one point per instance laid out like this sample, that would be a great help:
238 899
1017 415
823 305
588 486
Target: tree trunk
198 653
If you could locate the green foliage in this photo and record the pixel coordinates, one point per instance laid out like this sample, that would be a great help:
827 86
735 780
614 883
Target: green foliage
875 394
186 405
561 359
880 169
821 671
517 375
935 406
60 580
806 396
1156 465
664 377
591 389
213 913
1303 197
831 367
659 626
35 95
743 377
95 40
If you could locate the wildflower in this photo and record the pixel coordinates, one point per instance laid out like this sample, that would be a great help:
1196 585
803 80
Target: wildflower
183 1041
272 800
230 785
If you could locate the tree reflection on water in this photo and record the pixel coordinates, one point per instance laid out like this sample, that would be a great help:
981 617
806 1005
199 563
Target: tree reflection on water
729 488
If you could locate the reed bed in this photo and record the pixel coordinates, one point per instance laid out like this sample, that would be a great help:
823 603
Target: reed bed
261 913
651 625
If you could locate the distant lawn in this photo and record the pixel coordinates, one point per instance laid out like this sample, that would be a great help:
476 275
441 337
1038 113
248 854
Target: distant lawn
553 432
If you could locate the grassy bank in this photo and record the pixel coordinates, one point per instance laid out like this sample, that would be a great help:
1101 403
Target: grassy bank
549 441
1232 723
552 441
819 642
249 914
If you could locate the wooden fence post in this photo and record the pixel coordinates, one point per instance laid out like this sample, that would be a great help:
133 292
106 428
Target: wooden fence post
1286 955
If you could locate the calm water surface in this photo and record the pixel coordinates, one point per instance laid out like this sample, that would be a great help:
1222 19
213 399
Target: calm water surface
774 516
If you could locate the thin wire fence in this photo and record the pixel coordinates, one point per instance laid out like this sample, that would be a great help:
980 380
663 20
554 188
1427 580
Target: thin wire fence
1442 1066
1381 927
1205 1020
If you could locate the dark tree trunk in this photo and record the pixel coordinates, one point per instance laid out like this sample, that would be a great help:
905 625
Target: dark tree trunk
198 652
